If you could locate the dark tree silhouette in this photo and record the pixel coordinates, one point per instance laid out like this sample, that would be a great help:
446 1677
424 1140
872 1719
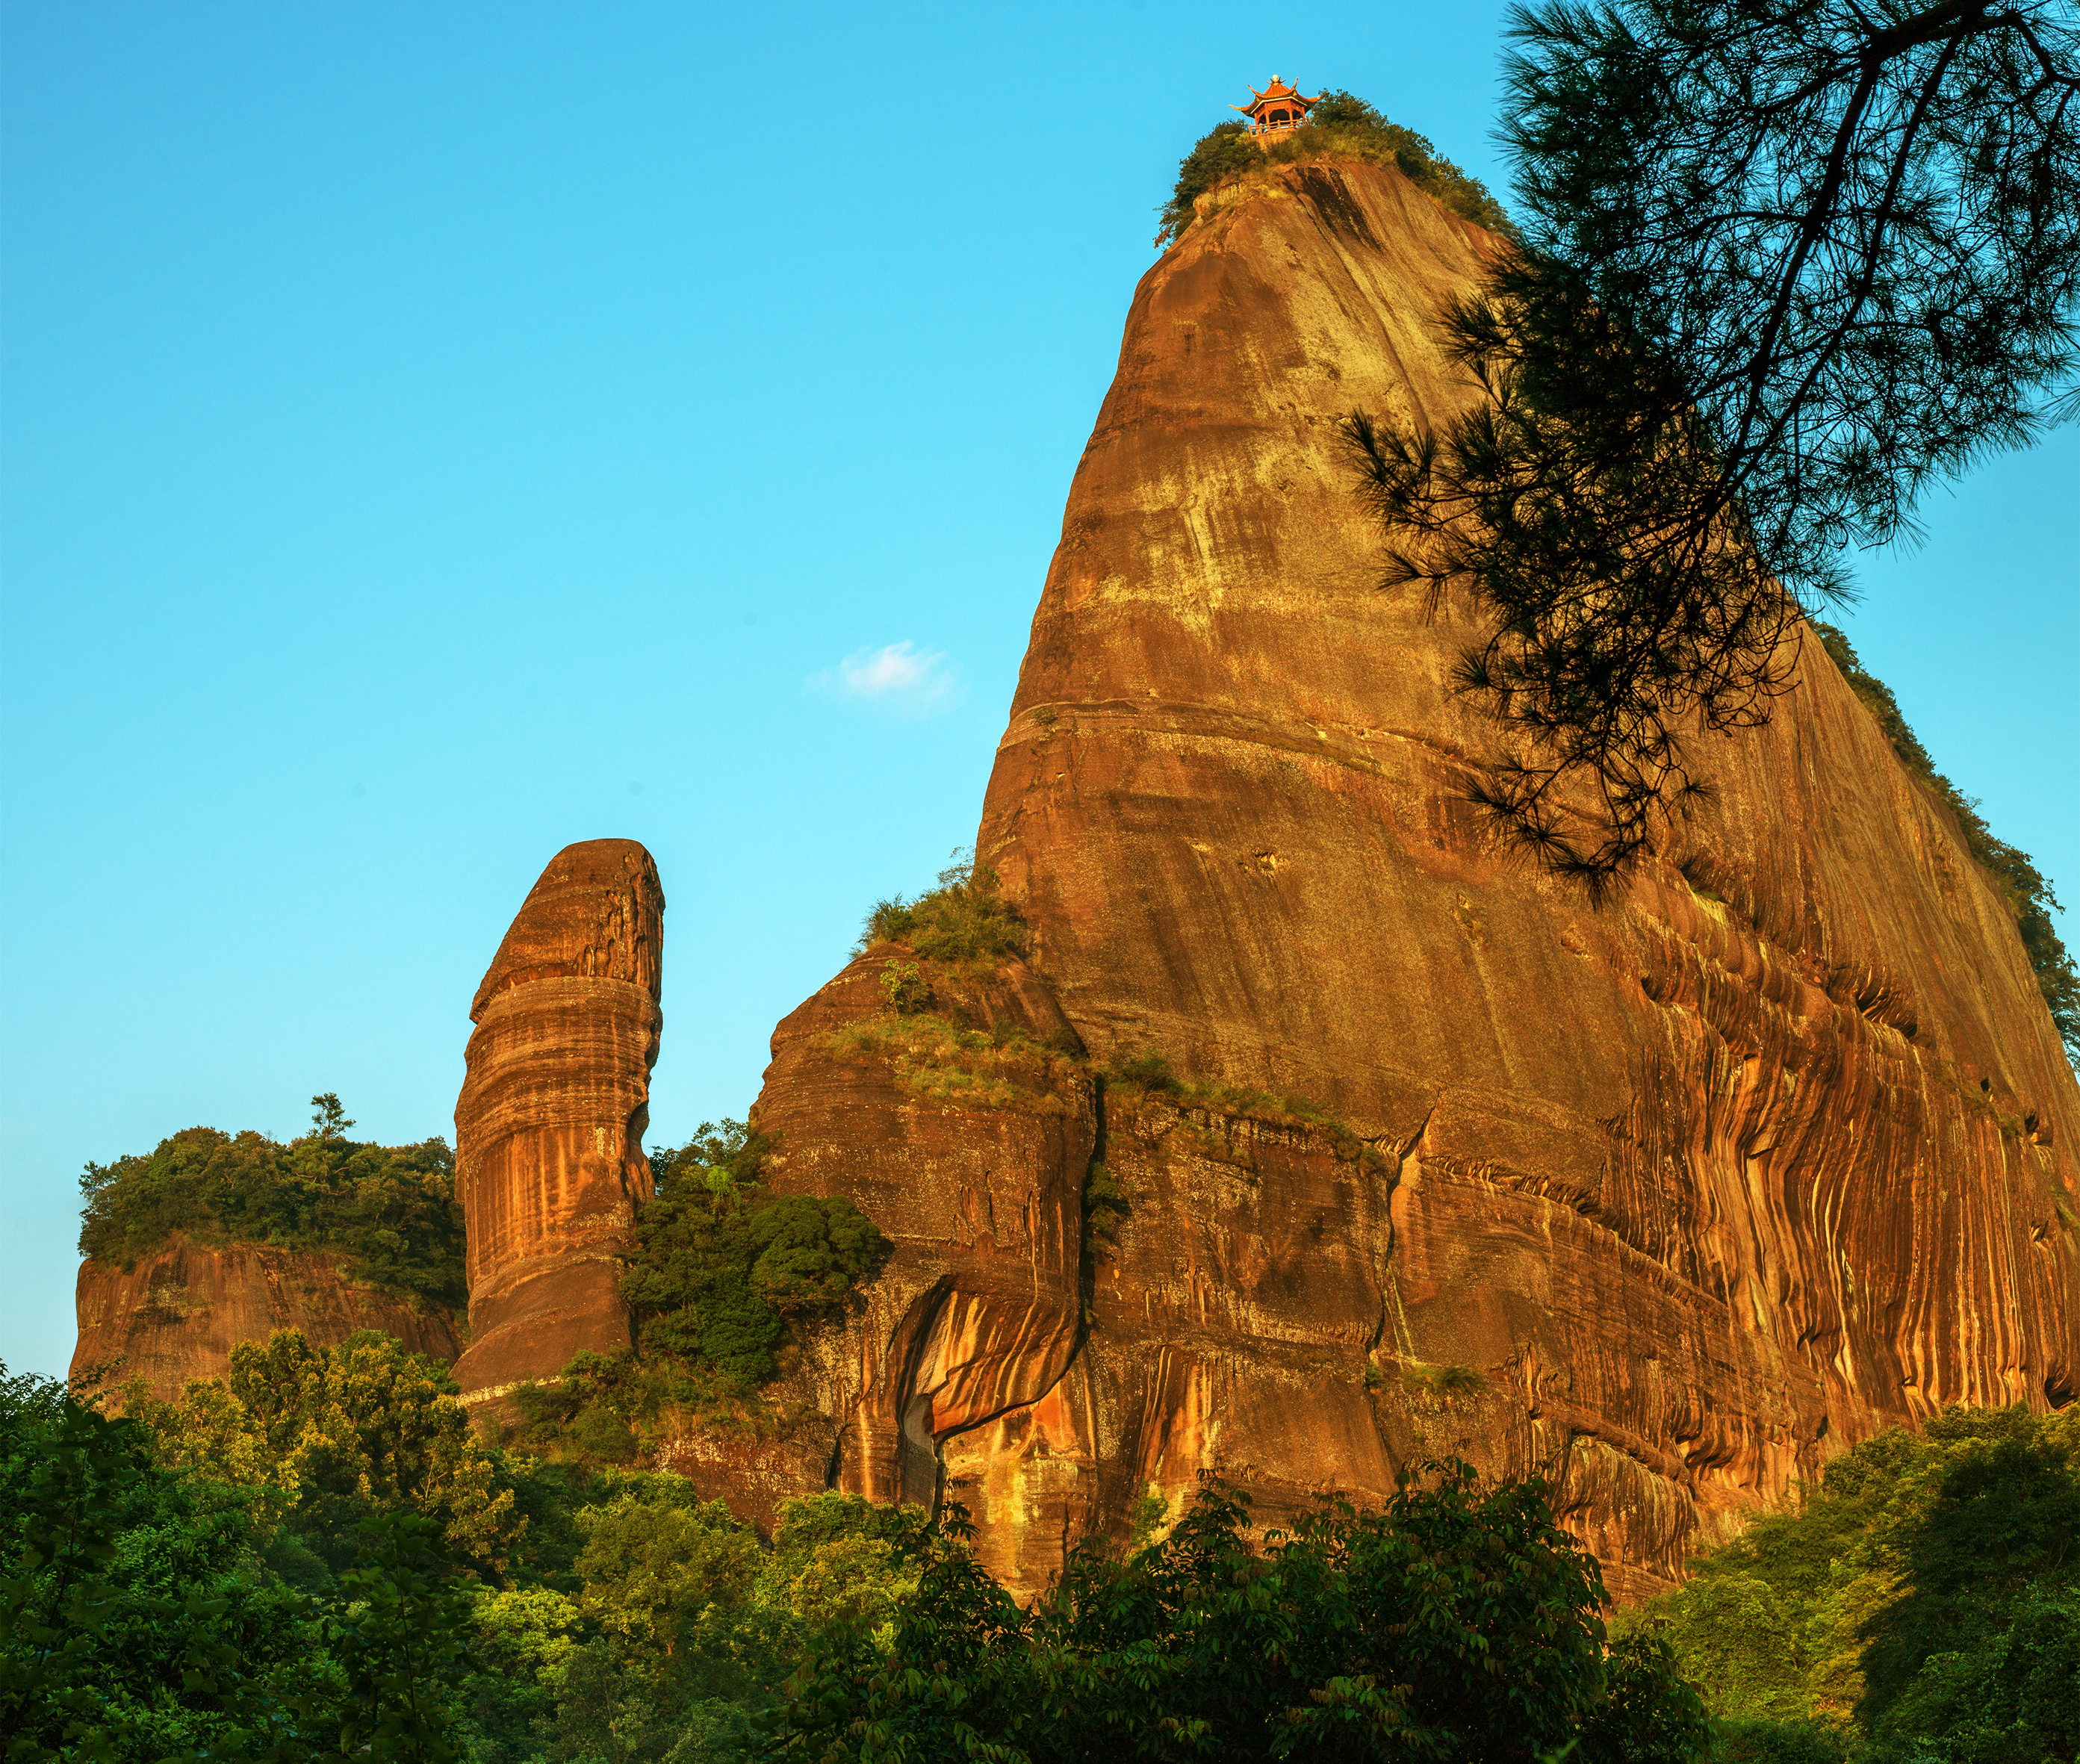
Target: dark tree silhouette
1784 262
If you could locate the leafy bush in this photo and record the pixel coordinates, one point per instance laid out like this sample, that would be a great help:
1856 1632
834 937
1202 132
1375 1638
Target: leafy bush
2028 894
904 987
1342 127
1459 1622
1924 1605
336 1436
963 922
139 1622
723 1268
1223 151
1106 1206
1443 1383
390 1211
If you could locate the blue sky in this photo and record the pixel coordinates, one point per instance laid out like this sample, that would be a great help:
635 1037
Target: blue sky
431 435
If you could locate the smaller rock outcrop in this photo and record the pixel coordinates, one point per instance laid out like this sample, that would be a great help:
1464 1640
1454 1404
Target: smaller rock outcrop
549 1161
966 1137
176 1313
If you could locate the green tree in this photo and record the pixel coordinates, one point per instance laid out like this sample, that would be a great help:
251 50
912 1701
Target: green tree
1920 1606
1786 261
139 1623
662 1567
396 1636
723 1268
841 1559
1223 151
390 1210
343 1434
1458 1622
520 1642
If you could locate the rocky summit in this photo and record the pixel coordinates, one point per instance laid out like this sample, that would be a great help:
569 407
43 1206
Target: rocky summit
549 1161
1419 1150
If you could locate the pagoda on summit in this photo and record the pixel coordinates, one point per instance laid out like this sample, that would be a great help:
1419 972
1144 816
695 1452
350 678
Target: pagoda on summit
1277 108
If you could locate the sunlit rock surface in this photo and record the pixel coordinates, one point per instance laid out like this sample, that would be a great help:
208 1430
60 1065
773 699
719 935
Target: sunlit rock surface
549 1159
176 1313
1670 1200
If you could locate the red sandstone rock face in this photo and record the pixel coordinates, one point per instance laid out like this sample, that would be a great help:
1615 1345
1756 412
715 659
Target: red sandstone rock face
176 1313
1670 1200
979 1312
549 1159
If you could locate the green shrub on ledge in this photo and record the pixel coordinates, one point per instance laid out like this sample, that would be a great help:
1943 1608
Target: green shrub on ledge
723 1268
963 922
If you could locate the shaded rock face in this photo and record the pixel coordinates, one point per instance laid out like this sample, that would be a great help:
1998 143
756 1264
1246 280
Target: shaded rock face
176 1313
1670 1200
549 1160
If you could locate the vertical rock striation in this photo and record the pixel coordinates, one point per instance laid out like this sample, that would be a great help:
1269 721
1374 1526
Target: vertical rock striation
549 1160
176 1313
1670 1200
977 1186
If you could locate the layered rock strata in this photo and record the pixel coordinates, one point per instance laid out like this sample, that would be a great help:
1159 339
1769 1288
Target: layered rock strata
176 1314
969 1147
549 1160
1669 1201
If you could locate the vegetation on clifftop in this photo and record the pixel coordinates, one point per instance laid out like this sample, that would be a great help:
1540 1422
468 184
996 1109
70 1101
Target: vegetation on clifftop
2026 891
964 923
1340 127
389 1212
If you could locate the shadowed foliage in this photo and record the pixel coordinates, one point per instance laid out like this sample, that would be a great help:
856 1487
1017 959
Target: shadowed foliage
1458 1622
724 1266
1924 1604
1785 263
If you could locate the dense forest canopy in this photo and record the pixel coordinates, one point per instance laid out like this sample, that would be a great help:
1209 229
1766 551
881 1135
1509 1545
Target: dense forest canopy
315 1559
389 1211
1922 1606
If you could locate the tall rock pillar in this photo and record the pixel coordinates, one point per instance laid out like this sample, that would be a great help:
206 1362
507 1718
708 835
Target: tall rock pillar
549 1159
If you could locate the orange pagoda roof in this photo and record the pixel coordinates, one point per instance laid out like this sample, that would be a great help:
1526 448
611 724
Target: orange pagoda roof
1278 91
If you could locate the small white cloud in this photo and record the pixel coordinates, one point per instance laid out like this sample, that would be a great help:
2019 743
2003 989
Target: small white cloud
900 676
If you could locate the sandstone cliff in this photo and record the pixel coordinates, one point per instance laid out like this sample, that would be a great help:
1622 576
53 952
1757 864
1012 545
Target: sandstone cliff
1669 1199
549 1160
176 1313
